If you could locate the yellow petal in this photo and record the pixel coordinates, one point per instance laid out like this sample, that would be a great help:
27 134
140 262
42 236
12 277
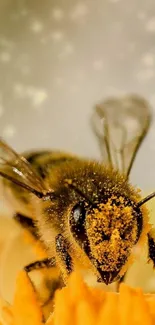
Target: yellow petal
26 309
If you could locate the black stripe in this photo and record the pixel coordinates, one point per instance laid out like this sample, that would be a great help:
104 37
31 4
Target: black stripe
43 168
34 155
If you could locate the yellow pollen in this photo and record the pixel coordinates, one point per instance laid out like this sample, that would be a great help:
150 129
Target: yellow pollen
115 237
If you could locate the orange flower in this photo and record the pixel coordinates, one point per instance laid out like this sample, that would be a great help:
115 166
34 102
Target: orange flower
79 304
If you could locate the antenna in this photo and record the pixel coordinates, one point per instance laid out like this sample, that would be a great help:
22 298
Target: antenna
147 198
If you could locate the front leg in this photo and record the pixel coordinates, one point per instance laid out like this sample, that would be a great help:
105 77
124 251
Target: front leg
151 246
64 260
51 284
37 265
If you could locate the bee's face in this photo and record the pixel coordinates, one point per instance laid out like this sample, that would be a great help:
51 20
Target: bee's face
107 233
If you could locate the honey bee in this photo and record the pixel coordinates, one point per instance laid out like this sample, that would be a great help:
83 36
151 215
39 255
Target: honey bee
84 212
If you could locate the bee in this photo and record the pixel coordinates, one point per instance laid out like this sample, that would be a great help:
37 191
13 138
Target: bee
85 212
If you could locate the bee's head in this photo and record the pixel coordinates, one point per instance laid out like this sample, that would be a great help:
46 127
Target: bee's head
107 233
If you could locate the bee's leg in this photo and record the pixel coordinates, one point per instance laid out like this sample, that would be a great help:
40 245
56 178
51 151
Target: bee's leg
37 265
63 256
26 223
52 284
151 246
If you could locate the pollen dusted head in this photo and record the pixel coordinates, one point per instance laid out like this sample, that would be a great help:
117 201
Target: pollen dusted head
112 229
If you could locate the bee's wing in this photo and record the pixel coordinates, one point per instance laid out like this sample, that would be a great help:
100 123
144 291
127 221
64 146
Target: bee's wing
120 126
17 169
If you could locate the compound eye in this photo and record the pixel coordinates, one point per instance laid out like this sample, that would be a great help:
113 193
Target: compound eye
79 213
77 218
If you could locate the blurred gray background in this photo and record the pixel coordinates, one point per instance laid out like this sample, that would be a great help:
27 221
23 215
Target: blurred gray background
58 58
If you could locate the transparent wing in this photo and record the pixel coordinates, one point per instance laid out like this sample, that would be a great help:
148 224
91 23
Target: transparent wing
120 126
17 169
